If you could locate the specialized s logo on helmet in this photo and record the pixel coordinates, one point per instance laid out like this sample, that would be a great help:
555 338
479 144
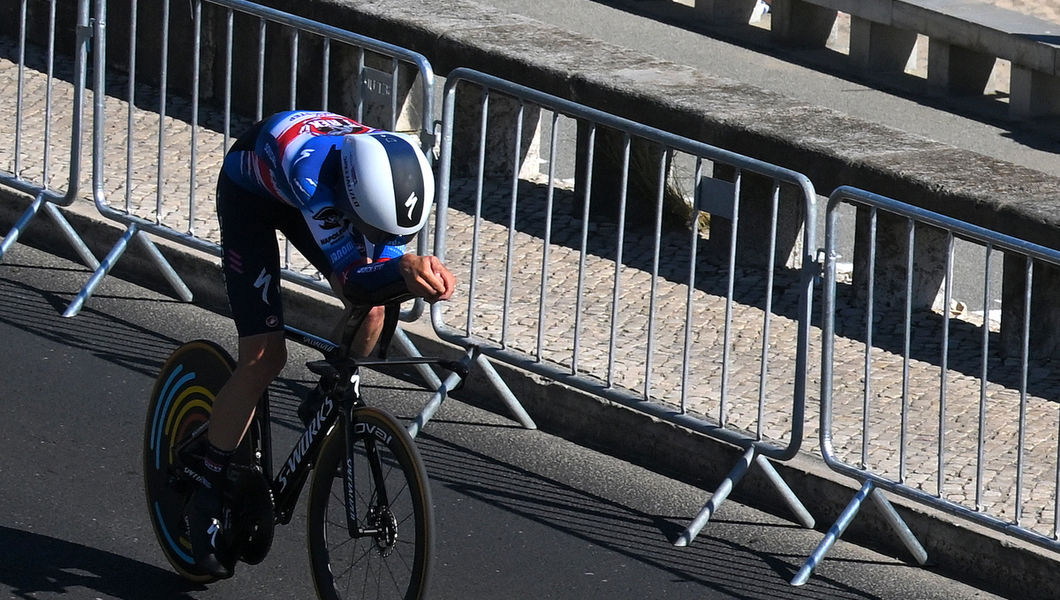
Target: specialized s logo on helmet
389 185
411 204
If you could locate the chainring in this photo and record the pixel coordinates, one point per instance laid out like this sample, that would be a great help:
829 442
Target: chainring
253 517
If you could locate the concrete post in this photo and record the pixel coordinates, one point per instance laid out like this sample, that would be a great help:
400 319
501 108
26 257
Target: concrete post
880 47
802 24
502 117
753 232
1033 94
958 70
930 248
382 92
1044 331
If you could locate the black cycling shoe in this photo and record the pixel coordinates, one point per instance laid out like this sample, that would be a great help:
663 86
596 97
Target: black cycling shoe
308 409
204 517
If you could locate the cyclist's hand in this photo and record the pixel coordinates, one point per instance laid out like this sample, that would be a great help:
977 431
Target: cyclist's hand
427 278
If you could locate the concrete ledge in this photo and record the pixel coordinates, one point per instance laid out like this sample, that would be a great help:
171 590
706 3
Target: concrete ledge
883 34
972 554
1022 39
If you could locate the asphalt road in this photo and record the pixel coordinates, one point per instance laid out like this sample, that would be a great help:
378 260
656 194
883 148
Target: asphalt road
521 514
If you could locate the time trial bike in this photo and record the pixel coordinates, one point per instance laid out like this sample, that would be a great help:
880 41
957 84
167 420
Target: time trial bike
369 513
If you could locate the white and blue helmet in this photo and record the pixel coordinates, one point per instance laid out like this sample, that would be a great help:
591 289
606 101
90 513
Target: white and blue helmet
388 183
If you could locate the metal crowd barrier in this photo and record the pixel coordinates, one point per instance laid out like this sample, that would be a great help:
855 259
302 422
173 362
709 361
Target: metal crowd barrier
969 432
35 138
159 139
641 316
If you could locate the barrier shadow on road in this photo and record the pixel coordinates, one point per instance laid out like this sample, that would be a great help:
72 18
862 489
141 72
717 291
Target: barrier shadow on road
36 564
718 560
32 309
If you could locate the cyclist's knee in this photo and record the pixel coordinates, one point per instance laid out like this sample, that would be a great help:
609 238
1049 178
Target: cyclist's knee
375 317
265 354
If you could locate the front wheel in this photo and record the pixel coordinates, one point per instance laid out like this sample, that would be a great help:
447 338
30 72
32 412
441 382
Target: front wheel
388 556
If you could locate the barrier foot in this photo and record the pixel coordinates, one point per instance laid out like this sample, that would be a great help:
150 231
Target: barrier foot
453 380
432 405
900 527
175 281
834 532
97 276
735 475
16 230
797 507
64 226
87 258
509 399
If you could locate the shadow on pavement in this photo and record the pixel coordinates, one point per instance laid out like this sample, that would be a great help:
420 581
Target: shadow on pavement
36 564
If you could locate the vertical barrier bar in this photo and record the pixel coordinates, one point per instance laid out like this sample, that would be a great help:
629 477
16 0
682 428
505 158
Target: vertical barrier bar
163 85
583 245
906 340
48 93
542 300
649 357
1024 359
512 209
616 289
196 59
23 11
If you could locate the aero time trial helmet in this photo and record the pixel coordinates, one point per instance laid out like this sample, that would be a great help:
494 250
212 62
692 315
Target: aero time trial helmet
389 186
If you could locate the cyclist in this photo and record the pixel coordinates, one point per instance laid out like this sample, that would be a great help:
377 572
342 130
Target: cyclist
348 197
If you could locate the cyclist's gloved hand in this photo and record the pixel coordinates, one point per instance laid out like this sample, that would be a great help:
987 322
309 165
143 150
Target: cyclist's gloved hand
410 276
426 277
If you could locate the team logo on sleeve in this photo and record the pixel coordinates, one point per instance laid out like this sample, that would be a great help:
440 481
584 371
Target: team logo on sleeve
329 217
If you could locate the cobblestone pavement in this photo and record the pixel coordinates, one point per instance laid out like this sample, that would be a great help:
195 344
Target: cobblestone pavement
980 466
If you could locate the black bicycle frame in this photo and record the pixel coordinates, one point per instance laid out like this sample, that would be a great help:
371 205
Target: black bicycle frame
288 481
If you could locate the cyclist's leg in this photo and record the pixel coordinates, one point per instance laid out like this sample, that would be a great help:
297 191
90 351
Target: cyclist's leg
251 270
261 358
251 266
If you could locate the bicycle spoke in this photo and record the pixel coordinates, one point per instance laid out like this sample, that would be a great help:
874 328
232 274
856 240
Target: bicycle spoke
391 546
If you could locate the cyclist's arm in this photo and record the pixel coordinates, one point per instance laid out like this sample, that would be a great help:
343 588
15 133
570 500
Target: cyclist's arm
376 283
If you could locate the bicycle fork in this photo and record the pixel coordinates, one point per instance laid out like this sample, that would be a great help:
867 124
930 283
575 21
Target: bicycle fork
378 523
